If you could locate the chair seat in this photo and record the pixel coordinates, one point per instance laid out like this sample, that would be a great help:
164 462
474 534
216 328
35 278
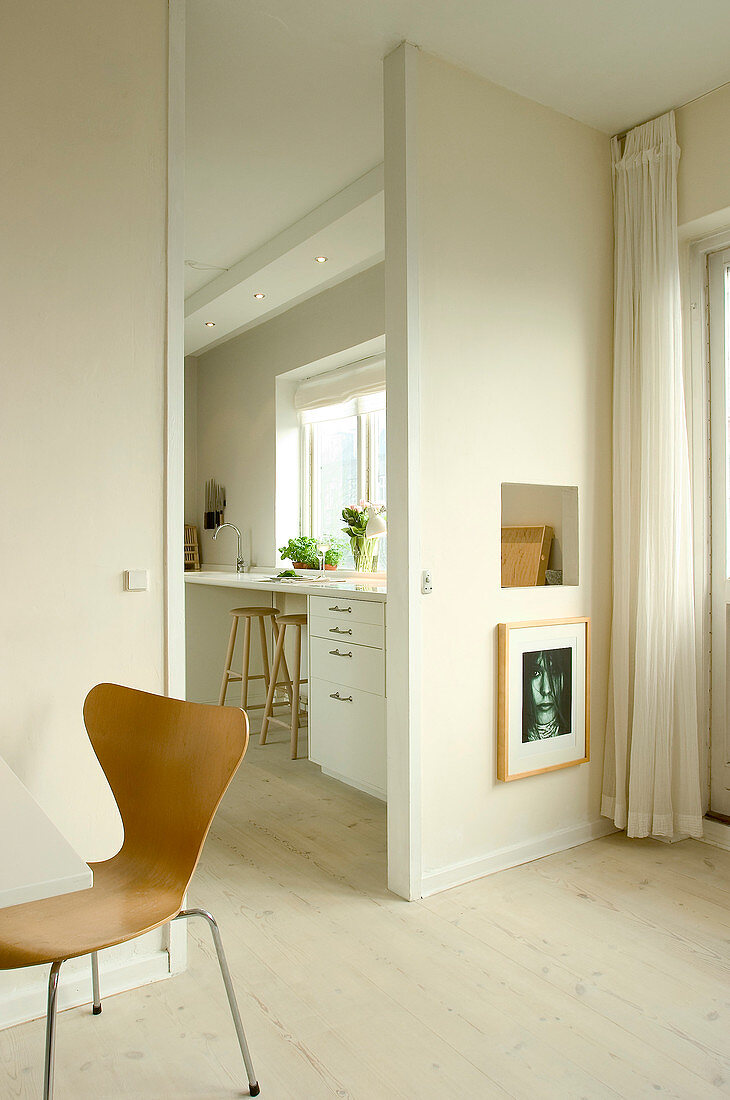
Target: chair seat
122 904
292 620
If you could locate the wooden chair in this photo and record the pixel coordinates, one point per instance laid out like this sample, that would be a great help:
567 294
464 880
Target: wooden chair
168 763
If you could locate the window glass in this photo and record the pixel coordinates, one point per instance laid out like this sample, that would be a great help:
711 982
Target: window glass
377 492
727 420
343 462
335 444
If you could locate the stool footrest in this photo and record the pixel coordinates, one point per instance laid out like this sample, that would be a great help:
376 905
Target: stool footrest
287 725
262 706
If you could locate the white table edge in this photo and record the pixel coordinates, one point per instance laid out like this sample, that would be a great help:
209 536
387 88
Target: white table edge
39 862
46 888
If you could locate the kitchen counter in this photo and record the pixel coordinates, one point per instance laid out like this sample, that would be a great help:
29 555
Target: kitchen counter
346 699
353 588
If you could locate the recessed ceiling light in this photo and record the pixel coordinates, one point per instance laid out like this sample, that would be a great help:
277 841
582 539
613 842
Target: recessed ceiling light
259 294
210 324
321 259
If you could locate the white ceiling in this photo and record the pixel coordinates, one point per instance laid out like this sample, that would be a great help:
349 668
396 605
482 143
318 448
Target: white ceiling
351 243
284 98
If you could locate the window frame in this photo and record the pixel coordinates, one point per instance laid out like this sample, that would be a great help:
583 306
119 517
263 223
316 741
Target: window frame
308 481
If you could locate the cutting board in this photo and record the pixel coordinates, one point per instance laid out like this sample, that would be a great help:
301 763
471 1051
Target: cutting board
525 553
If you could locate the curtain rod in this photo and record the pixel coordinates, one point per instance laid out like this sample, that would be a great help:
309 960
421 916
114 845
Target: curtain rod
689 103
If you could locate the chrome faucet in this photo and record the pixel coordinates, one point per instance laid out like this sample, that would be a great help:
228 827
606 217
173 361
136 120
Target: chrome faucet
240 563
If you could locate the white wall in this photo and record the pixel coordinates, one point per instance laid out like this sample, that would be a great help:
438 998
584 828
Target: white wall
703 135
82 437
513 247
191 441
403 650
237 403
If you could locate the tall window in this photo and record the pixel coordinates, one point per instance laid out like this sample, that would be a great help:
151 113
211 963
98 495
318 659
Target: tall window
343 462
719 442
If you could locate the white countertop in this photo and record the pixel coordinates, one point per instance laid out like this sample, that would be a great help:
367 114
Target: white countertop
36 861
353 588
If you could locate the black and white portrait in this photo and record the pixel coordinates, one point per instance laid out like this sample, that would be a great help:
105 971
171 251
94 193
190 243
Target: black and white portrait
543 712
547 687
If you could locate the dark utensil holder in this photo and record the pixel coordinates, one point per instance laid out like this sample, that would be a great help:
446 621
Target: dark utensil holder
212 520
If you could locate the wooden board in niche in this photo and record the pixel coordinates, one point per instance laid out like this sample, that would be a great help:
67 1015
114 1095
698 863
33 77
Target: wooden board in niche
525 553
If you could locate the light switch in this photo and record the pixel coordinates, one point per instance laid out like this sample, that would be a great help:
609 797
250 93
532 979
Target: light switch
426 582
136 580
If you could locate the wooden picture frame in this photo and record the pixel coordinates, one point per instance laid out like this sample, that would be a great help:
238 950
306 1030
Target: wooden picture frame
544 674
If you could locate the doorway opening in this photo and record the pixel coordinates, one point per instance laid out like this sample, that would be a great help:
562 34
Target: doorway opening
289 283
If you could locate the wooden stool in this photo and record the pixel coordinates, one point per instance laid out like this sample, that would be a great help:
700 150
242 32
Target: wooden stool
229 677
282 622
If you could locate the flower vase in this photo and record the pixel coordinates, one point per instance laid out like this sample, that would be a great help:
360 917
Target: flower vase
363 551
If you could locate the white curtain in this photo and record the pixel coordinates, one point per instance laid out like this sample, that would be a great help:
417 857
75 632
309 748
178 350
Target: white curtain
651 780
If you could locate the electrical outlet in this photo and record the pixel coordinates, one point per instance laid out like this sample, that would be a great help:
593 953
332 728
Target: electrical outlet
426 582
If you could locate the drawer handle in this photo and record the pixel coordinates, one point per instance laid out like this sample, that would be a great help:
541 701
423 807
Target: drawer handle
347 609
339 630
336 653
341 698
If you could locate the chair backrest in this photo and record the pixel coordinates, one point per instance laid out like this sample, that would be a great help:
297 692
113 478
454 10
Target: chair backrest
168 763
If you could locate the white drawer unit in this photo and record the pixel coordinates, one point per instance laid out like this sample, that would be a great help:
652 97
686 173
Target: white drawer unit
347 690
347 611
341 662
338 630
347 734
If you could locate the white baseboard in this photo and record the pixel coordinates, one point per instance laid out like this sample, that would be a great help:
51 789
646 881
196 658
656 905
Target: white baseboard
459 873
27 1001
366 788
175 941
716 833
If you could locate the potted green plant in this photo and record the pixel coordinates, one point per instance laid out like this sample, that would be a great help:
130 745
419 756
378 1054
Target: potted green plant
301 552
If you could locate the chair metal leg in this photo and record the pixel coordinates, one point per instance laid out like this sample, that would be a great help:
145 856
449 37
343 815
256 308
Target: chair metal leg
51 1031
253 1087
95 982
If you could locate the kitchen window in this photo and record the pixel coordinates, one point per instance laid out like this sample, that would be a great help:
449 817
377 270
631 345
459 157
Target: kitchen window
343 462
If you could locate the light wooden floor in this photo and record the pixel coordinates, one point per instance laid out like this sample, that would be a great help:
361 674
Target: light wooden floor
600 972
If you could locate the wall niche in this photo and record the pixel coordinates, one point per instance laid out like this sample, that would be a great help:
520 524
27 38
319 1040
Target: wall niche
537 506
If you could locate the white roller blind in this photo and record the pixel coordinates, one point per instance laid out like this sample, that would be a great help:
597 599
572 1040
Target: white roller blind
358 387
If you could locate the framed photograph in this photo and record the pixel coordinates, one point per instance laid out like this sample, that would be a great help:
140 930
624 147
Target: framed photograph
544 696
